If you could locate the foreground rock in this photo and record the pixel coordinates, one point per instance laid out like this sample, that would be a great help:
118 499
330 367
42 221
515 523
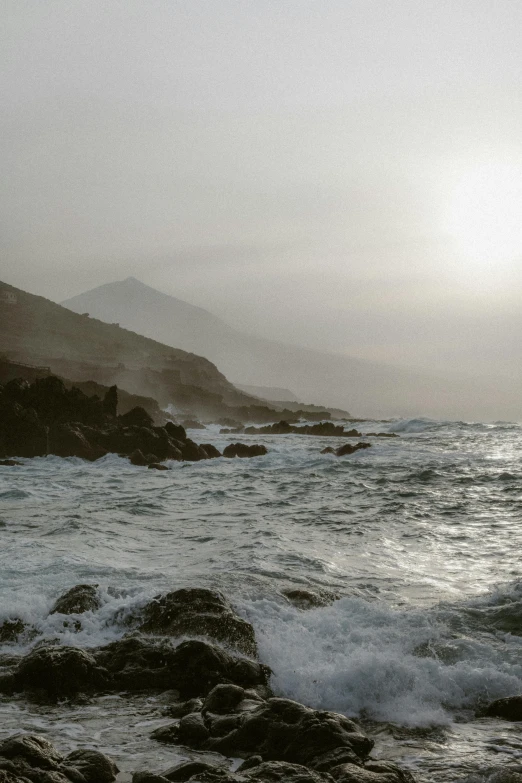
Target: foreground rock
77 600
347 448
198 612
281 739
509 708
26 757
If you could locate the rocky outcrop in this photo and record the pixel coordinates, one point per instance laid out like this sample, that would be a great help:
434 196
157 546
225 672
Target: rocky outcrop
47 418
77 600
322 429
244 450
509 708
26 757
198 612
309 599
56 671
347 448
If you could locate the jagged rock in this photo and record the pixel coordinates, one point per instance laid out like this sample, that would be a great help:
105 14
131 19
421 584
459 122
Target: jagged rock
193 424
199 612
176 431
67 440
244 450
211 451
110 401
59 672
94 766
191 452
135 663
509 708
137 417
158 466
138 458
77 600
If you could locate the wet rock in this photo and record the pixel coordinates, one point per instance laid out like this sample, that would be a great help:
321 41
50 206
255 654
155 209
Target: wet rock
181 708
223 699
135 663
10 463
284 730
94 766
381 435
328 450
372 772
158 466
148 777
192 730
77 600
193 424
59 672
199 612
36 751
211 451
191 452
283 772
185 771
175 431
11 629
68 440
307 599
349 449
244 450
509 708
138 458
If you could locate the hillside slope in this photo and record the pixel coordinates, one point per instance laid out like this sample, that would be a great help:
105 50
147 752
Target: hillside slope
364 388
38 331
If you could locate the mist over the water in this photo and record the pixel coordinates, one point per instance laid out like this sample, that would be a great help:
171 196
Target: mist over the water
341 176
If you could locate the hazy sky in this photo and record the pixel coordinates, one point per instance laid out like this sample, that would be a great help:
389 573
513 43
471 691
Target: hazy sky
346 174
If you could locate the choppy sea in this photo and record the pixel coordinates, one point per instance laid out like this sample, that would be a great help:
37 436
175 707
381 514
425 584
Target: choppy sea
420 536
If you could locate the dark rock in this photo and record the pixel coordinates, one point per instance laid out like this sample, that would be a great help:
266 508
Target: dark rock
249 763
176 431
198 667
244 450
11 629
36 751
349 449
509 708
67 440
231 430
147 777
138 458
199 612
94 766
135 663
283 772
211 451
381 435
59 672
283 730
182 708
158 466
185 771
137 417
110 401
372 772
192 730
10 463
191 452
306 599
328 450
223 699
79 599
193 424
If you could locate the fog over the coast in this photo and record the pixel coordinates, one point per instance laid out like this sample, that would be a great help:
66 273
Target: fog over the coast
343 175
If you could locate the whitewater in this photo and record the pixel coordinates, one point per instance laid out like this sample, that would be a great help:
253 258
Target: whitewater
413 545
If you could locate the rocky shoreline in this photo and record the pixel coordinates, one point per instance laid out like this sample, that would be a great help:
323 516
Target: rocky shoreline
219 697
45 417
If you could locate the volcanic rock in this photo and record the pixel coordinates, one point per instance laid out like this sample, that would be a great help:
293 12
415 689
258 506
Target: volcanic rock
200 612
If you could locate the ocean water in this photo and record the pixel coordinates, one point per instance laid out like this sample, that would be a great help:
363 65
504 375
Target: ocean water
419 537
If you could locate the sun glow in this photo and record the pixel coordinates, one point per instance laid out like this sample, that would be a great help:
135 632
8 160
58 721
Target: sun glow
484 217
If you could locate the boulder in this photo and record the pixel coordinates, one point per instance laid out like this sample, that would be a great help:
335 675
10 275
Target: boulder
67 440
11 629
138 458
348 448
77 600
509 708
308 599
372 772
135 663
94 766
198 612
211 451
191 452
137 417
244 450
176 431
59 672
158 466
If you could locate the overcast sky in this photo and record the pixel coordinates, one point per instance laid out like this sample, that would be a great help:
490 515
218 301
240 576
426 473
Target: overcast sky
345 174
